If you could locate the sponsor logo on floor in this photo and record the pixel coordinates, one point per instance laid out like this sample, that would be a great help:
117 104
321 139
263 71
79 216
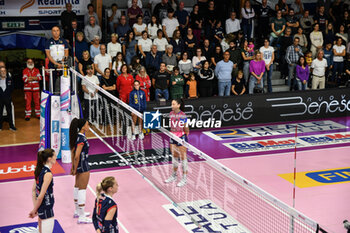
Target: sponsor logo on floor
23 169
307 142
273 130
209 215
28 227
143 157
319 178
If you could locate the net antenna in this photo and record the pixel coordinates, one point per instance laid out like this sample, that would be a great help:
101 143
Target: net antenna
267 208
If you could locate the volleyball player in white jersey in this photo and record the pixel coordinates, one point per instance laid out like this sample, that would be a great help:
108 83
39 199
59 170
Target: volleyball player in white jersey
178 121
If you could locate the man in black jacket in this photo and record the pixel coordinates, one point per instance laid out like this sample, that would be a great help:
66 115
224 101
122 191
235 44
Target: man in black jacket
6 88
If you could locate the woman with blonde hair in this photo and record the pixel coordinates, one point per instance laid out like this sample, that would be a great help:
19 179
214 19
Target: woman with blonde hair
113 47
106 211
145 82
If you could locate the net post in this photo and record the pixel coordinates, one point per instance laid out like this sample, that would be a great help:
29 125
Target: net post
44 79
51 81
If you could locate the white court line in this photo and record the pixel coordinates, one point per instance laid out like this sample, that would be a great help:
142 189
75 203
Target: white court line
119 222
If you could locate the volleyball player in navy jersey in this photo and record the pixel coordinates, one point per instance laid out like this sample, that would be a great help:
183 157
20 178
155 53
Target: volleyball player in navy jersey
43 198
80 167
178 151
106 210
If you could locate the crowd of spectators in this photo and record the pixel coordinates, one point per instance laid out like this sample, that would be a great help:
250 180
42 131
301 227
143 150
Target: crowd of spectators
201 53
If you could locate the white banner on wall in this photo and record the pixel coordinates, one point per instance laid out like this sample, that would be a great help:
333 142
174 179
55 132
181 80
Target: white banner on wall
25 8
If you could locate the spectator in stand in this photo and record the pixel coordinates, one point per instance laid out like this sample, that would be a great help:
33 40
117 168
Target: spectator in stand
152 4
145 82
292 21
278 25
139 27
319 67
328 36
316 39
183 17
339 52
248 15
191 87
306 22
185 66
325 3
138 102
177 82
90 93
95 47
336 12
328 55
108 82
346 20
264 14
91 12
198 60
235 57
170 24
190 42
85 62
129 47
207 49
218 55
124 84
298 7
196 22
302 39
342 34
102 61
268 55
223 71
257 70
114 47
139 3
31 78
153 60
302 73
282 6
144 45
67 17
347 74
160 42
205 80
178 43
232 24
118 63
135 66
72 32
113 17
133 12
210 19
218 33
80 47
6 88
153 27
246 60
321 19
285 42
169 58
161 10
292 57
238 87
160 82
122 29
91 30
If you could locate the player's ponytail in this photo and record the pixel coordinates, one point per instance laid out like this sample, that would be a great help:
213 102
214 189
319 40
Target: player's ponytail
41 160
98 190
104 185
75 127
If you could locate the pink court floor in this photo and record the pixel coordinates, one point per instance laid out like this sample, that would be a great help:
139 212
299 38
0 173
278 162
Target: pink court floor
263 154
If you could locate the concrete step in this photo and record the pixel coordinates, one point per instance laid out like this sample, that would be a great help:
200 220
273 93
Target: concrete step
276 75
275 82
280 88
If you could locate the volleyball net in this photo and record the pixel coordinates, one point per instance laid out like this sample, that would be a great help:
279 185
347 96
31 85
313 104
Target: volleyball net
215 198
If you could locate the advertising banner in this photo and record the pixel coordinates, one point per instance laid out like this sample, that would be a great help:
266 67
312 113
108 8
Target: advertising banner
30 8
45 98
55 130
267 108
65 119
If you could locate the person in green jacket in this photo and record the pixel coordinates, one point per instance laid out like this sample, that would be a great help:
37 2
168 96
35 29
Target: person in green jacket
177 84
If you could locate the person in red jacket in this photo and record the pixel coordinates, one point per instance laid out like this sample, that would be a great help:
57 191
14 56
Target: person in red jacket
145 82
31 78
125 83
